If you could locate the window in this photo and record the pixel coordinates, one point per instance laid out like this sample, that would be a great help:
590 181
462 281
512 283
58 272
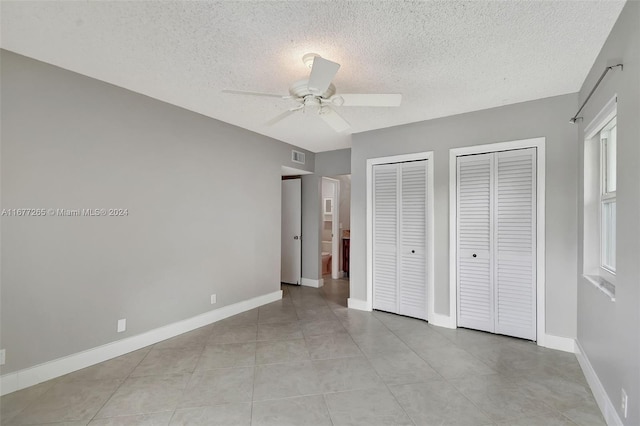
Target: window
599 218
608 144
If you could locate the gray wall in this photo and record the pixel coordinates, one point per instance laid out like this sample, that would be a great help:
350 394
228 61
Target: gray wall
608 331
328 163
546 117
204 212
332 163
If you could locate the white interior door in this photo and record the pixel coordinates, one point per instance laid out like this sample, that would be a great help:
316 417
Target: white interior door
515 243
385 237
475 242
496 242
413 240
400 238
291 258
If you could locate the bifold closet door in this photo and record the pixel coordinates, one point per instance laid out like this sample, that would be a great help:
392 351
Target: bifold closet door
515 243
496 246
475 242
412 274
385 237
399 238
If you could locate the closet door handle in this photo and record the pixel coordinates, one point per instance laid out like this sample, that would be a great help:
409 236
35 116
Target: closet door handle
475 255
413 251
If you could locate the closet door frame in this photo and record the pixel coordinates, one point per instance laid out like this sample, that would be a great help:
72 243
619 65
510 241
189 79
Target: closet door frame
368 304
539 144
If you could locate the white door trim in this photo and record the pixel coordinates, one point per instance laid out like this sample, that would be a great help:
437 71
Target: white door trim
538 143
430 249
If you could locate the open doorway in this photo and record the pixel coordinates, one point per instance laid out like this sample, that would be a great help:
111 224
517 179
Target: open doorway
335 237
329 247
335 240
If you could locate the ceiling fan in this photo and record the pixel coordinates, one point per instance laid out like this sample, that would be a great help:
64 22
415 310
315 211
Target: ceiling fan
319 93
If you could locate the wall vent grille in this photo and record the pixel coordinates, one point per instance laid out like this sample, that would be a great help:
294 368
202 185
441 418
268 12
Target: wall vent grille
297 157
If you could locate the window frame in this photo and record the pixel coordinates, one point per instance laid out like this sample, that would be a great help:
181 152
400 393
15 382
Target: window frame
593 271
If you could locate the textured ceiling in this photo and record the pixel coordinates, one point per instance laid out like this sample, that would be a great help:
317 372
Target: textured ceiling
445 57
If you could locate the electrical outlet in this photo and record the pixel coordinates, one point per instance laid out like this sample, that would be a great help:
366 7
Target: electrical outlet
214 299
625 404
2 356
122 325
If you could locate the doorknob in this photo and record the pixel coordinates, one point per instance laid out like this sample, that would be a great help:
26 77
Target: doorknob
295 237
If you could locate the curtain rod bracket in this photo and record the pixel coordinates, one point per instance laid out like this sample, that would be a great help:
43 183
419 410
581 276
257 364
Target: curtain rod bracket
575 118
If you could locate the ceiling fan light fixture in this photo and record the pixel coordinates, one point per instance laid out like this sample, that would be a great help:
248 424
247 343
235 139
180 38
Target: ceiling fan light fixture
311 101
308 58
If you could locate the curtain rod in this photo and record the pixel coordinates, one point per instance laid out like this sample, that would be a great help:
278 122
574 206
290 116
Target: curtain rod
606 70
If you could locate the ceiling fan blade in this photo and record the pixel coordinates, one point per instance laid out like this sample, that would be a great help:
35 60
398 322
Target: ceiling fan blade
322 72
372 100
280 117
334 120
242 92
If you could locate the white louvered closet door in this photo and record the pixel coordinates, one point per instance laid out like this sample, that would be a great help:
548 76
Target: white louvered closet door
475 241
413 240
385 237
400 238
515 242
496 247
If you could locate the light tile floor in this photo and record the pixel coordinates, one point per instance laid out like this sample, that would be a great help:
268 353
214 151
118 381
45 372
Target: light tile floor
308 360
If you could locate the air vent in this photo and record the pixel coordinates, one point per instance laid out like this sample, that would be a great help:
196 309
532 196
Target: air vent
297 157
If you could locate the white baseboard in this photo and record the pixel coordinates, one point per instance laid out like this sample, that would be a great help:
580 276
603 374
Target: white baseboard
361 305
550 341
308 282
442 320
21 379
606 406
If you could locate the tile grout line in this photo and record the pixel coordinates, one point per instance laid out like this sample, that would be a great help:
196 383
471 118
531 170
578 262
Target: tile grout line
324 398
120 384
15 416
393 331
255 371
195 368
386 384
379 376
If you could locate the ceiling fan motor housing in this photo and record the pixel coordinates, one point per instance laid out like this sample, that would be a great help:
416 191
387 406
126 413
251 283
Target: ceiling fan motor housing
300 89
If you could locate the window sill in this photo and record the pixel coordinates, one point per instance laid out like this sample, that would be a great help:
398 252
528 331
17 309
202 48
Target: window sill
603 285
